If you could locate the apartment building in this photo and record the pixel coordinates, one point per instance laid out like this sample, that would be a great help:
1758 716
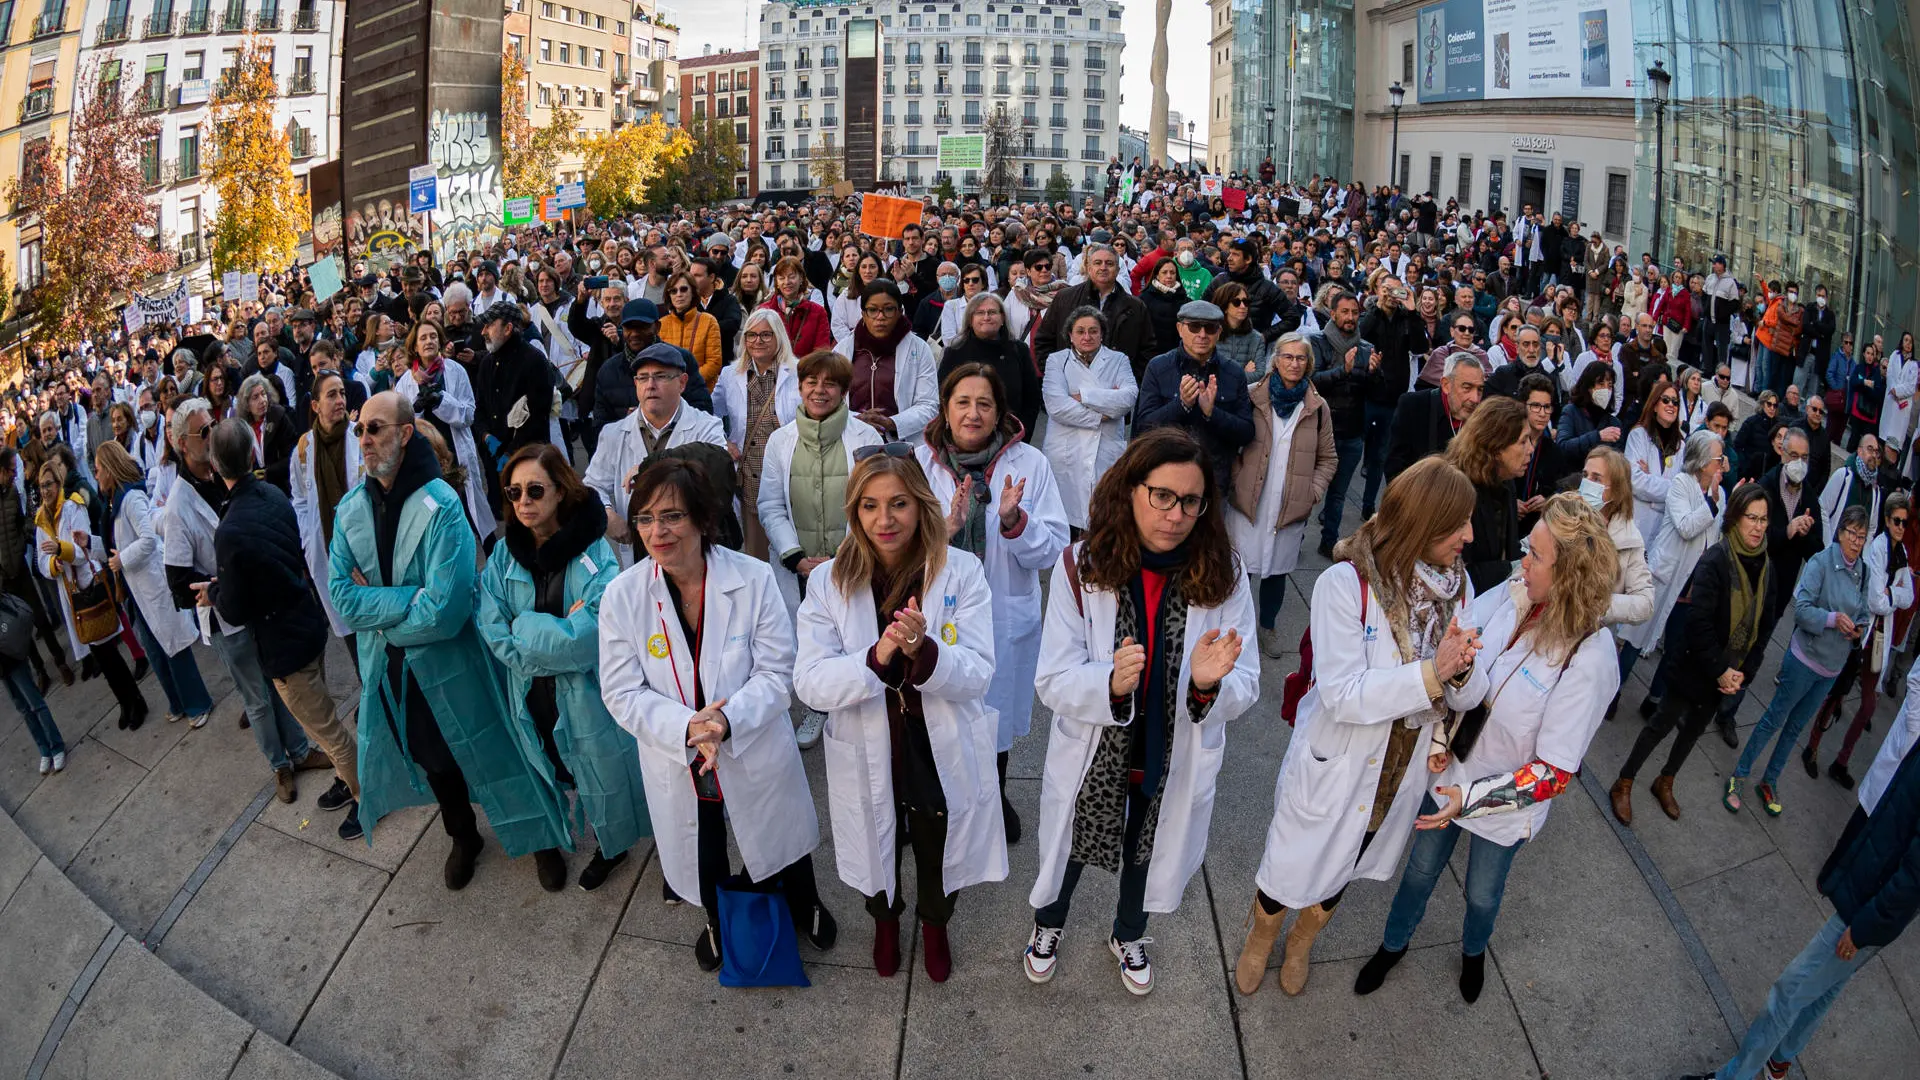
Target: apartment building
726 85
577 57
1053 68
656 67
39 55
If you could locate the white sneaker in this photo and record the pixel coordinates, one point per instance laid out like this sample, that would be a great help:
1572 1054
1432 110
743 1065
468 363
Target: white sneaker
46 764
174 717
1136 971
811 724
198 722
60 761
1043 953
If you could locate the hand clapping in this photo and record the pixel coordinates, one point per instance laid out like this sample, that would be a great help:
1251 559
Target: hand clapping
1213 657
705 730
905 634
1010 502
1129 660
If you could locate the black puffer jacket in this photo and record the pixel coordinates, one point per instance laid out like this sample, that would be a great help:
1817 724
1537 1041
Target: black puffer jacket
262 579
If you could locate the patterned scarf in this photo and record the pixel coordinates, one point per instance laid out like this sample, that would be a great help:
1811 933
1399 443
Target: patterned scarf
972 536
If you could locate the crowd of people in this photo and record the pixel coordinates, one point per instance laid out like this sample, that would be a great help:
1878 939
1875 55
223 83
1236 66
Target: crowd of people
1031 452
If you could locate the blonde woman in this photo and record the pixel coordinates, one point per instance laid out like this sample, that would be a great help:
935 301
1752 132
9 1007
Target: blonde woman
1547 672
1607 485
757 395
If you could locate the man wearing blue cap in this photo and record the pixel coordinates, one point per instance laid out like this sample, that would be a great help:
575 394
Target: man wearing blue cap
662 420
613 395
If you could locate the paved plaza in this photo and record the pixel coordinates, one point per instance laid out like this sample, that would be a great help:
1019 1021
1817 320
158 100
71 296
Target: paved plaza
163 916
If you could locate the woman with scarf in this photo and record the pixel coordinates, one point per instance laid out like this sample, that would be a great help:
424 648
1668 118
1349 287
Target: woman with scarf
1279 477
62 554
756 395
897 646
1036 283
856 273
984 340
539 613
1164 298
442 395
1889 577
750 287
1089 392
326 465
219 391
1003 507
1545 627
1391 658
1866 392
1143 665
166 633
895 386
808 325
273 434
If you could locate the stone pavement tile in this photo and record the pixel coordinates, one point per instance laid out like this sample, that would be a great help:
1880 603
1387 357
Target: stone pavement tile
1594 968
66 810
266 1059
48 932
1871 1007
142 1020
483 982
1414 1026
20 766
17 856
151 741
654 1013
397 835
1902 961
148 847
264 932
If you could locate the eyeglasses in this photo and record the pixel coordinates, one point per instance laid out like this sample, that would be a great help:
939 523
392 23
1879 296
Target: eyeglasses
1754 519
678 289
882 309
368 428
1538 406
757 335
891 449
1856 533
672 519
534 492
202 433
656 377
1166 499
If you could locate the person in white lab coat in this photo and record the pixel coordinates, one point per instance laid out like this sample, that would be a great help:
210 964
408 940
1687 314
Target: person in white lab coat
1548 671
1896 410
1392 654
754 396
314 460
165 632
1089 392
1144 659
1003 508
661 422
896 646
1888 577
895 375
704 691
1695 506
1653 454
442 395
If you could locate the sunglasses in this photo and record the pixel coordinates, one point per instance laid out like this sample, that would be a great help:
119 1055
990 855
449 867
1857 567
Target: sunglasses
533 491
374 428
1201 327
891 449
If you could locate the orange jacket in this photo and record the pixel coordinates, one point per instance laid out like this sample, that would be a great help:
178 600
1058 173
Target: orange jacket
698 333
1779 328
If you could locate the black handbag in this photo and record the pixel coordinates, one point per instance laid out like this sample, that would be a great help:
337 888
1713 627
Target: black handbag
16 627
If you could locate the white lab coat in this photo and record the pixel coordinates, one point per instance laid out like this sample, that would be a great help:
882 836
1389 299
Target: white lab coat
844 311
72 566
306 509
1686 530
776 505
916 389
188 525
1895 593
1650 479
1323 797
730 401
137 540
831 674
647 681
1833 499
1084 437
621 452
1896 411
1076 666
1013 568
1894 748
457 408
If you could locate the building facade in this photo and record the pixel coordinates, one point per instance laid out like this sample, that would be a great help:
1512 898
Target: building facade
578 57
655 51
725 86
1052 69
39 65
1281 85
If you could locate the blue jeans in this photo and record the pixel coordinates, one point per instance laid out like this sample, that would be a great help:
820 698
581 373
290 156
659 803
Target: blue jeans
1799 694
1379 427
179 676
1797 1003
275 731
33 709
1487 866
1273 596
1350 452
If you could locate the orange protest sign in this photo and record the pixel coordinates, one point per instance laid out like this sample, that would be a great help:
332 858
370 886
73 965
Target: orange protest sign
886 215
548 211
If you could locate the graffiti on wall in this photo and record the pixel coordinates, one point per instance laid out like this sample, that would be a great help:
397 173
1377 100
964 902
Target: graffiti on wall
464 149
382 232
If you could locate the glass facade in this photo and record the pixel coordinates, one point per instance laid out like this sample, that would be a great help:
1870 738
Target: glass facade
1312 98
1790 139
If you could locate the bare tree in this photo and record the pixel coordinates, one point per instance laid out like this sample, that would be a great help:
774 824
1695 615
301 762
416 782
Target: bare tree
999 180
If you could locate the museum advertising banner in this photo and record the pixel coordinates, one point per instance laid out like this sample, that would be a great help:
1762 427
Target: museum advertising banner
1473 50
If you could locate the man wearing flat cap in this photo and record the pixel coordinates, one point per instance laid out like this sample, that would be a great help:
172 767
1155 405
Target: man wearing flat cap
1189 387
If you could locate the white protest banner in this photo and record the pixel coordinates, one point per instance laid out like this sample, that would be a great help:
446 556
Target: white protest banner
249 287
167 308
196 309
134 320
230 285
1212 186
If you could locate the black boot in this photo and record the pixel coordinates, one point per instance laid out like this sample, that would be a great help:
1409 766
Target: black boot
599 868
706 951
460 860
1473 975
1375 971
1006 808
140 669
551 867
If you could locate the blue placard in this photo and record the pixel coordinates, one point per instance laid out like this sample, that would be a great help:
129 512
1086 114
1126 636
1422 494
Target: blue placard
423 195
570 196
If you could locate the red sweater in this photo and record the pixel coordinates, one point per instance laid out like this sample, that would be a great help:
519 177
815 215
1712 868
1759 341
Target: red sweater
809 327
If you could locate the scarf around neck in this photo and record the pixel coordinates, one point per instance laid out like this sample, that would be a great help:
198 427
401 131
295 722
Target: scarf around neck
1285 400
1037 297
1743 611
972 536
329 473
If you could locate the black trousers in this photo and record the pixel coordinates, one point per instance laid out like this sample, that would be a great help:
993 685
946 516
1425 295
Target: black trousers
23 587
796 881
118 675
927 835
1130 918
1690 717
456 806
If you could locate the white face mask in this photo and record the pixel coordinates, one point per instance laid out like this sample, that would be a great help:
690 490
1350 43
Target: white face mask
1593 490
1796 471
1820 301
1793 297
1185 258
1602 397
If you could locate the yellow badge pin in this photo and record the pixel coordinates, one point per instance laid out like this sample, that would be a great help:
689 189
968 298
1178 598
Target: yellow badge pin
657 645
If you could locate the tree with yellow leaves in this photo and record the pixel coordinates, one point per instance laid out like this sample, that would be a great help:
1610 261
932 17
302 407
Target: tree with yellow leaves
530 155
262 210
621 164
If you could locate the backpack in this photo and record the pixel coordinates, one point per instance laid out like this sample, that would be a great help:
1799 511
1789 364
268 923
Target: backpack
1295 686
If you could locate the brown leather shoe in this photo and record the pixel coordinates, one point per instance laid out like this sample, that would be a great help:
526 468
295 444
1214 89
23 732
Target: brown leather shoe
1295 965
1262 930
316 759
1662 788
1621 795
283 785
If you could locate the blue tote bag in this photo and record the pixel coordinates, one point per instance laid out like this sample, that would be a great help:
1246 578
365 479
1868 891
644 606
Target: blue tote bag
758 946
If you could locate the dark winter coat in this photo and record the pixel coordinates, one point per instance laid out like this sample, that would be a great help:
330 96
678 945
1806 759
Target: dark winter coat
262 578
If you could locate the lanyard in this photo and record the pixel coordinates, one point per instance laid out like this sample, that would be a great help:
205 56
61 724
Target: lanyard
699 631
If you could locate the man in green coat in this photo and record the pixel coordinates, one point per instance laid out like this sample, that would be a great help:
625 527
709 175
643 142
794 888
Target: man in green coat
433 711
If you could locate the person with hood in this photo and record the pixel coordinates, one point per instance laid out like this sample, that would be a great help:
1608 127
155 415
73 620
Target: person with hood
539 614
1003 507
401 573
983 340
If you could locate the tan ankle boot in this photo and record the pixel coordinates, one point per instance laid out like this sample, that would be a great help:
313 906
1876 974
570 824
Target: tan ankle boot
1622 799
1262 930
1662 789
1293 967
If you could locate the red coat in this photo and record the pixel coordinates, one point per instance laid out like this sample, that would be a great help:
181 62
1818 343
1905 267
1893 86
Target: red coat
809 327
1680 306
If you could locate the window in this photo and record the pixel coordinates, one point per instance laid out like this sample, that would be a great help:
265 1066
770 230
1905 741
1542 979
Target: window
546 51
1406 170
600 59
945 22
774 177
1616 223
599 99
580 96
546 11
699 84
1433 173
546 96
740 106
150 160
517 45
973 20
1033 22
620 28
913 22
699 108
722 107
566 53
599 22
1000 22
1466 181
195 67
1406 63
1570 195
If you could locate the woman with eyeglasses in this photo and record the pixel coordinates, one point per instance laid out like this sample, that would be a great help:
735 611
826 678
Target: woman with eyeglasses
1089 392
705 692
1693 507
953 316
273 434
756 395
984 340
895 388
1888 577
1755 444
442 395
685 325
539 613
1393 653
897 646
1142 662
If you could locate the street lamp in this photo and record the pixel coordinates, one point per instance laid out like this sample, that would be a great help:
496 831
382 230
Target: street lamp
1398 95
1268 111
1661 81
1190 144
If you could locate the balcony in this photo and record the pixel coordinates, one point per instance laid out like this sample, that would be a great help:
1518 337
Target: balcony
1030 121
943 121
38 104
973 90
776 95
803 93
198 21
975 59
1002 60
1091 124
776 124
1092 155
802 124
914 58
1057 121
267 22
916 88
48 23
188 168
233 22
1057 91
829 61
1029 91
159 26
1030 60
776 65
621 79
1094 63
300 83
829 121
1061 61
1092 93
972 119
802 64
943 58
112 31
305 20
775 155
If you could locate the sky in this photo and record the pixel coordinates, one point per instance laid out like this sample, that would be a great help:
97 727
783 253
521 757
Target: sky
735 24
